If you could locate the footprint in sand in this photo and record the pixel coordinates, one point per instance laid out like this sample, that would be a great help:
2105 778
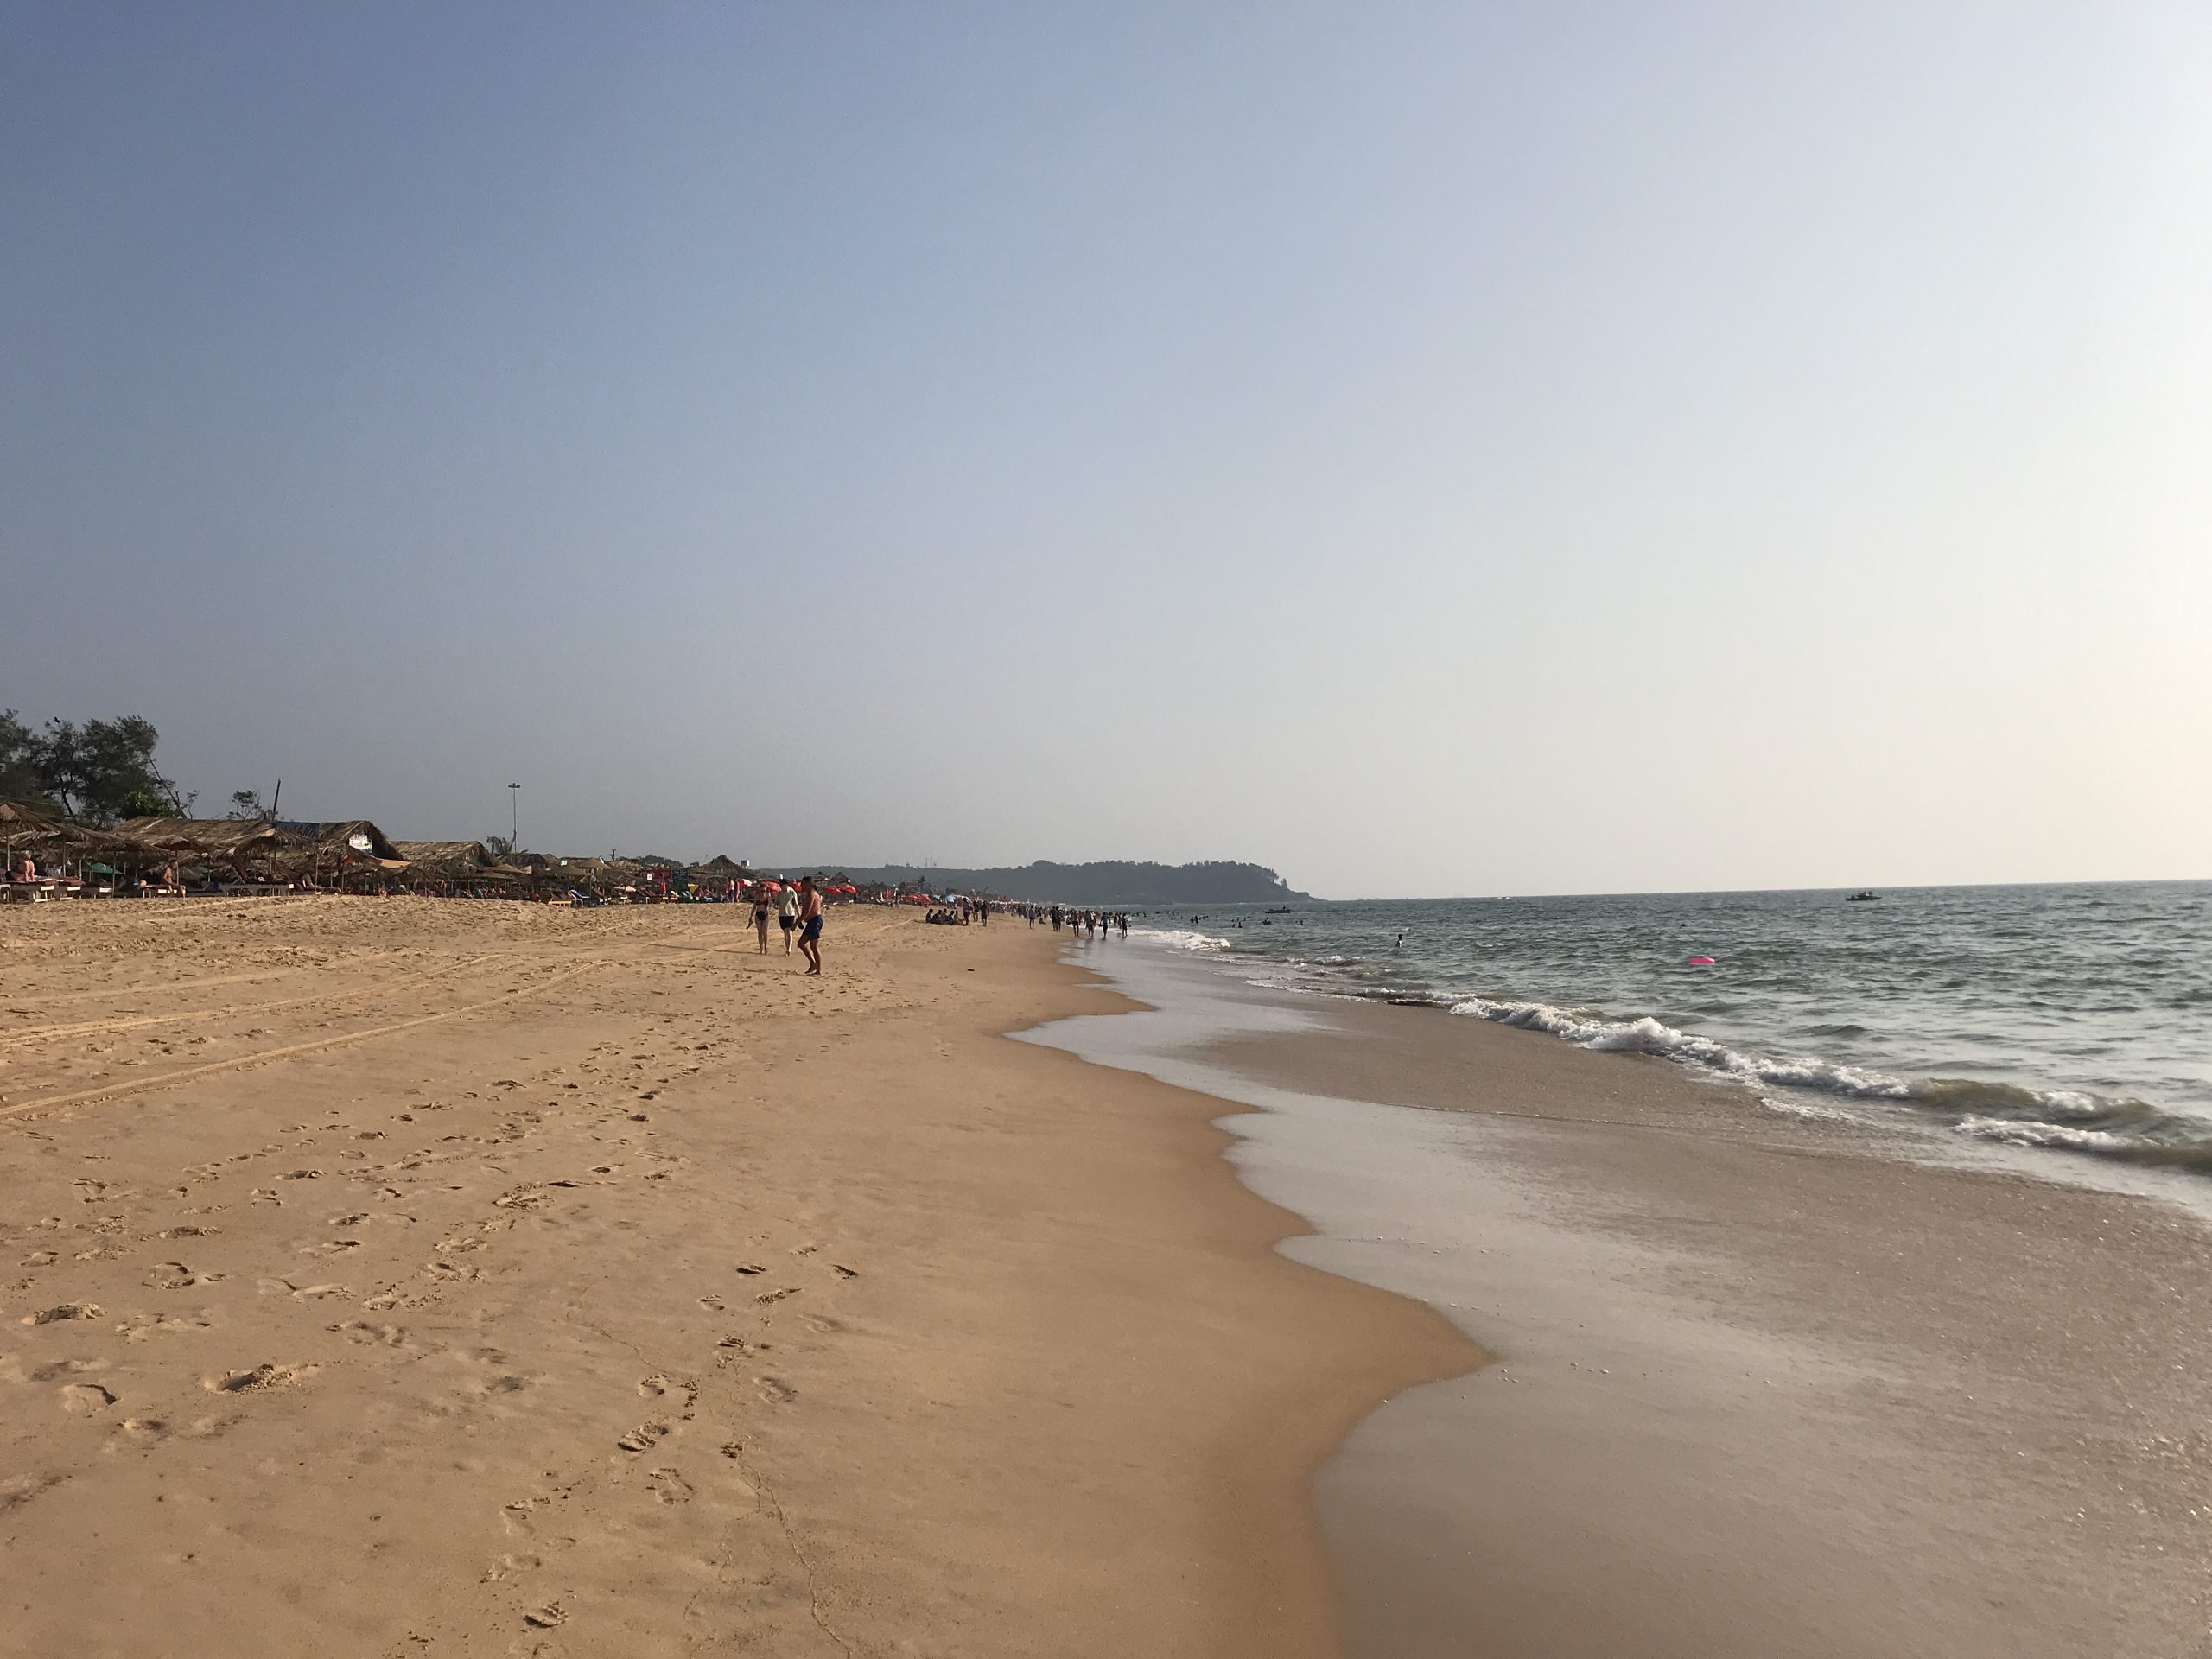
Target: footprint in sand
546 1617
42 1258
507 1566
260 1380
64 1311
643 1437
83 1398
767 1296
138 1326
777 1392
175 1276
61 1368
145 1430
668 1486
387 1336
16 1489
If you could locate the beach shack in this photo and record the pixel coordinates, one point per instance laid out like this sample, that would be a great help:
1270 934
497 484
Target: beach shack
352 849
454 864
248 849
65 859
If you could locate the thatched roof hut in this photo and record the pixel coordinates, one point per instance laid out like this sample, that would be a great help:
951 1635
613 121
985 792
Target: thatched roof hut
573 872
354 841
229 839
724 867
293 846
454 860
23 829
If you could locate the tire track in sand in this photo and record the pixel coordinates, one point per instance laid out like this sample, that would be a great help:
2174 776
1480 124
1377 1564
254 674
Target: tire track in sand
134 1022
111 1091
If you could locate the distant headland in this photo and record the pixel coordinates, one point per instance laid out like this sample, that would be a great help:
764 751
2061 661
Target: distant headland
1114 881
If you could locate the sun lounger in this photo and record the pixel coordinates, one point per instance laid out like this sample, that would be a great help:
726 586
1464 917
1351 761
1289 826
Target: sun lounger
39 889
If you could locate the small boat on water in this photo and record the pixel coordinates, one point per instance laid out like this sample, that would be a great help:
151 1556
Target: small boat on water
1861 898
1277 910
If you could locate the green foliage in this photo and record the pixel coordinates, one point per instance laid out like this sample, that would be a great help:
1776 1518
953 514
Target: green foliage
247 804
19 776
100 771
498 847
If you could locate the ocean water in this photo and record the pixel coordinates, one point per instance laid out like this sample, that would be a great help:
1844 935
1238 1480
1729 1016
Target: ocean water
2077 1019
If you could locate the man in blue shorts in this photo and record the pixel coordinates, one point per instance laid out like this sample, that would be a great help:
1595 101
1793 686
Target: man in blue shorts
810 922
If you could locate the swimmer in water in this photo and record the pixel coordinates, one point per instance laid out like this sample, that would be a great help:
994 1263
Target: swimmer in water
1401 944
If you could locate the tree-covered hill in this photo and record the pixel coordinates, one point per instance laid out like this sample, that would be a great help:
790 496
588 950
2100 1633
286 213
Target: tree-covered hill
1116 882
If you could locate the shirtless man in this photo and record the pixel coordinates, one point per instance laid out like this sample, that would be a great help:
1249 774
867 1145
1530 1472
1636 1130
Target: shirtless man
810 927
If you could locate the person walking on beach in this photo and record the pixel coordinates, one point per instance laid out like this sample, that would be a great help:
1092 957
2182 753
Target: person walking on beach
810 937
760 917
787 916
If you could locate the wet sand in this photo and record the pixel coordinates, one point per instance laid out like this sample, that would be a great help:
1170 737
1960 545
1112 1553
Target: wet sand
1763 1385
420 1277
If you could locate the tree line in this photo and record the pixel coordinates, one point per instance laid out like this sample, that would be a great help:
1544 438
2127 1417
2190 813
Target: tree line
1118 882
95 773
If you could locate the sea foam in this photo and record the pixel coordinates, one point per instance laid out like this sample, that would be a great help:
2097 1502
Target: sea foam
1181 939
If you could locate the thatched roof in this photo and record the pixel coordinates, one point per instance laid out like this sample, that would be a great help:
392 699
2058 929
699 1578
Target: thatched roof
215 837
24 830
353 839
575 869
451 860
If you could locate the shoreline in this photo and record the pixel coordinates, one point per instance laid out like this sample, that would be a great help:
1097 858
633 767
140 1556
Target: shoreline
392 1271
1761 1385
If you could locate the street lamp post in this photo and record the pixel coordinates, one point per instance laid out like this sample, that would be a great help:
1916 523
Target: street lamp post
514 816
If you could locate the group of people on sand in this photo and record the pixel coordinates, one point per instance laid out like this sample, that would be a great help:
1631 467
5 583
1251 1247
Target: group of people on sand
798 911
960 910
1088 922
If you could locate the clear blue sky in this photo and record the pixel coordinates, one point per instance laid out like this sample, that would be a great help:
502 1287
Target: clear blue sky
1425 448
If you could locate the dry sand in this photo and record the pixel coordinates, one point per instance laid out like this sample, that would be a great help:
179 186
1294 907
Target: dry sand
418 1277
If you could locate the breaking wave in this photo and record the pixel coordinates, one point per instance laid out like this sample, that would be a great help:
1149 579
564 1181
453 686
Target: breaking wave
2065 1120
1182 939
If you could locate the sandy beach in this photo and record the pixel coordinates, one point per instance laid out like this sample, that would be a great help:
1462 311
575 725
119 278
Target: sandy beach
408 1276
415 1277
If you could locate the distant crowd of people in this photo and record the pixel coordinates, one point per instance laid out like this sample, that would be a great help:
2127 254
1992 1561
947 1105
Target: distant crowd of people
1088 922
959 912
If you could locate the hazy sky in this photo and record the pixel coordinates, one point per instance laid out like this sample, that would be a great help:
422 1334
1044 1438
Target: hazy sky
1429 449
